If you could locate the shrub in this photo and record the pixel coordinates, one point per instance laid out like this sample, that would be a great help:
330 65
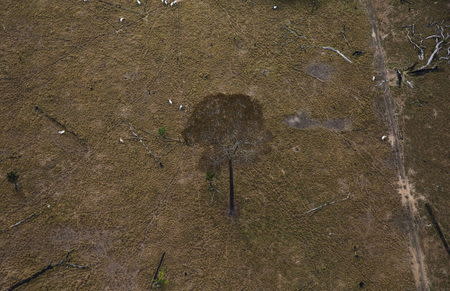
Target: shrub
162 131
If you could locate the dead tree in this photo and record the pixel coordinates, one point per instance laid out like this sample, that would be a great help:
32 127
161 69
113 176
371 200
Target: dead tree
231 129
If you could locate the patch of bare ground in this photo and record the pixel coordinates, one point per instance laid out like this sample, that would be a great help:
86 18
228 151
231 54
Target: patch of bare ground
302 120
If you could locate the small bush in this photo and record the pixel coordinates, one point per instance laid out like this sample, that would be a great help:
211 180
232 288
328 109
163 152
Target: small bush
210 176
160 281
12 177
162 131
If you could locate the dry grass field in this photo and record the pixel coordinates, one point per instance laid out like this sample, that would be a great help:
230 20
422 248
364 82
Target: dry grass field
81 80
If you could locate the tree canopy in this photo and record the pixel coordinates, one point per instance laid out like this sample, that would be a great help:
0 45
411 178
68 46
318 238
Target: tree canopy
230 127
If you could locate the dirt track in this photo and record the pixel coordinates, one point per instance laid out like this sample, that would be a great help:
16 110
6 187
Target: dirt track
407 197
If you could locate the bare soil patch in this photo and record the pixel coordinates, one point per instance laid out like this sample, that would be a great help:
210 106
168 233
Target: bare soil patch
302 120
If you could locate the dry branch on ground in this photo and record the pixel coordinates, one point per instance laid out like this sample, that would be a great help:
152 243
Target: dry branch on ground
63 262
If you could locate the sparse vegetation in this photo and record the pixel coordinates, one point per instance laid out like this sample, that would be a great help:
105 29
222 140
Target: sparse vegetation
161 280
162 131
210 176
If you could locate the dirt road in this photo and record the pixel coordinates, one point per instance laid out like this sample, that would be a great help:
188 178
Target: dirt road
396 139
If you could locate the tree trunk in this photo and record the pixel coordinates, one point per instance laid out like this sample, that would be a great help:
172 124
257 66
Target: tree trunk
232 209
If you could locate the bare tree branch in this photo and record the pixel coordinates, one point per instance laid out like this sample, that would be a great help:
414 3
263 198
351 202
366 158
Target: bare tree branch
338 52
419 48
141 141
315 209
24 220
430 59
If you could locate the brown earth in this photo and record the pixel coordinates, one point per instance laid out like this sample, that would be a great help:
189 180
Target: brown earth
110 201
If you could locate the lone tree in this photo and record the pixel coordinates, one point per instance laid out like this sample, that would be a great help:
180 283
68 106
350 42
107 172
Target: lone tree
231 130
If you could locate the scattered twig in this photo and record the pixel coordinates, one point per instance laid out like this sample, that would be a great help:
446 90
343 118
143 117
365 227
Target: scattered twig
155 275
326 204
63 262
338 52
293 31
59 124
171 139
211 188
161 134
344 34
447 56
410 84
28 218
315 77
141 140
420 48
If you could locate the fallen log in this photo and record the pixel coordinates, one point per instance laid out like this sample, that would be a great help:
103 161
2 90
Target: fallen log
63 262
315 209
